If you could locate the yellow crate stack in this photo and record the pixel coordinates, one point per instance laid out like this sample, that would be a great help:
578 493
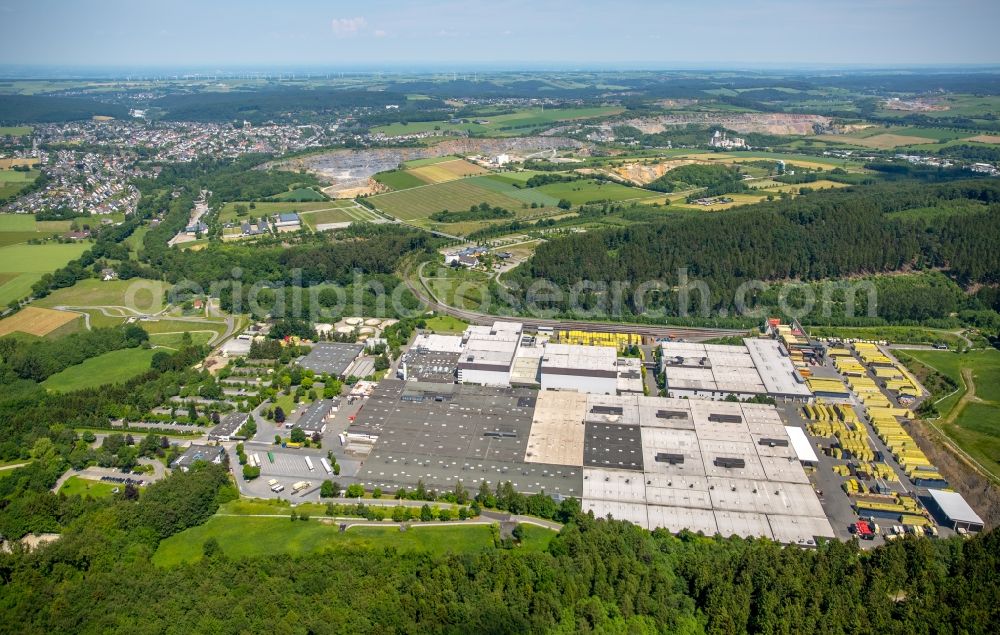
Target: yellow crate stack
839 352
884 472
870 354
848 366
599 338
817 384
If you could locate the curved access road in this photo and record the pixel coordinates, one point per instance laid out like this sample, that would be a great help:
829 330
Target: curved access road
424 294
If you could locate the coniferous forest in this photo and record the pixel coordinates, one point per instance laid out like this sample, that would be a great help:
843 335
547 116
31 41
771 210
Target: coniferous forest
597 575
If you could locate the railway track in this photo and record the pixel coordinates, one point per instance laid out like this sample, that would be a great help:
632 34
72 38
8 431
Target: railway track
693 334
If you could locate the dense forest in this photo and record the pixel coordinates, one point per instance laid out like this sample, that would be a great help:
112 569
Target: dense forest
283 104
717 179
597 575
823 235
17 109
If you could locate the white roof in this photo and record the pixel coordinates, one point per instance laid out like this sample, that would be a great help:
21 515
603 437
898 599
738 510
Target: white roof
803 449
955 507
775 368
438 343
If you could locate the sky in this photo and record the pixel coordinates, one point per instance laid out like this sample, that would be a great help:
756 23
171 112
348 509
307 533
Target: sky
514 34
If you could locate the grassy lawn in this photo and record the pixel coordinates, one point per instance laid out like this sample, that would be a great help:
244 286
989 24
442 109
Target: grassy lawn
248 536
446 324
399 179
39 258
173 340
76 486
976 428
421 202
338 215
16 286
147 295
228 212
894 334
300 194
459 287
16 222
581 192
109 368
15 131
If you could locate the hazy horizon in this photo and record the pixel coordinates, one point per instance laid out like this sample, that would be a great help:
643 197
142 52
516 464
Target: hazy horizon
510 35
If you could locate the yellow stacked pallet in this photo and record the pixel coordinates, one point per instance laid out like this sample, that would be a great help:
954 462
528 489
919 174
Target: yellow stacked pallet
839 352
855 443
842 470
870 354
917 391
832 386
925 472
888 372
889 412
854 487
599 338
884 472
846 413
849 367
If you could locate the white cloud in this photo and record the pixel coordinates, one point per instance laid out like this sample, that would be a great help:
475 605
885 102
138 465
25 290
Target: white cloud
380 33
346 27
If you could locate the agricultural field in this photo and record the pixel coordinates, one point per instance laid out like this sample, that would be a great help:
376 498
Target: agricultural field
20 228
419 203
589 191
248 536
22 265
811 162
110 368
6 164
399 179
447 171
76 486
516 123
416 163
971 418
12 182
986 138
40 322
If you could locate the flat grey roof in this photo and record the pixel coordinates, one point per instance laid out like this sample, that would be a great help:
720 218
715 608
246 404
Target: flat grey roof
954 507
313 418
229 425
331 357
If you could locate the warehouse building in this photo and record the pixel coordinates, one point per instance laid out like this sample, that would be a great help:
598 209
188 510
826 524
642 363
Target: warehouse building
228 427
198 452
590 369
488 353
314 419
953 510
712 371
333 358
443 433
709 466
431 358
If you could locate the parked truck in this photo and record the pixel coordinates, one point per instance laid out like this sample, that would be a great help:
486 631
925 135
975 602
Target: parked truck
300 485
